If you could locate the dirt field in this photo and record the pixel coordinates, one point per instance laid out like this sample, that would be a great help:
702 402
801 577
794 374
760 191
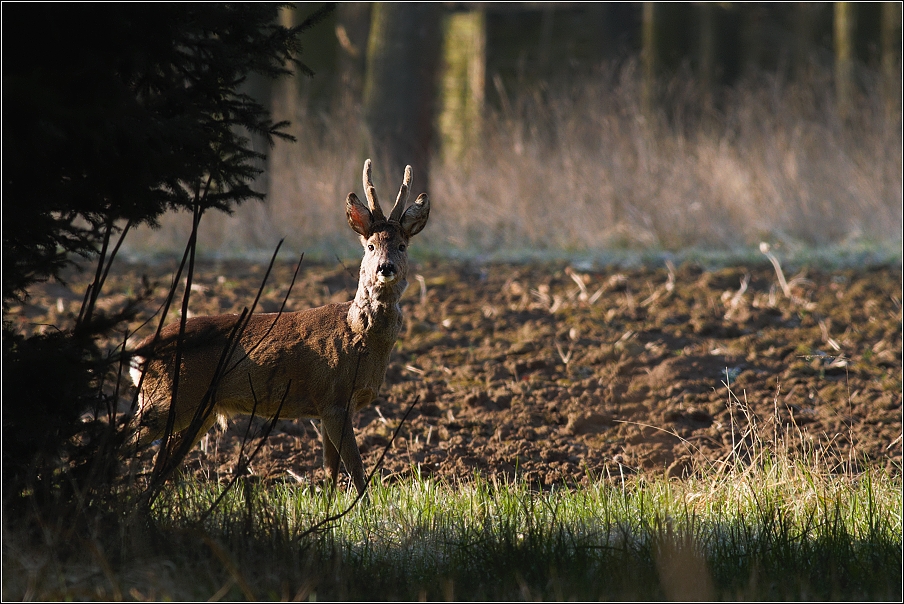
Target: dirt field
560 375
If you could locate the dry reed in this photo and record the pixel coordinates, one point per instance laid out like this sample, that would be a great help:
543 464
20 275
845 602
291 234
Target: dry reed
579 169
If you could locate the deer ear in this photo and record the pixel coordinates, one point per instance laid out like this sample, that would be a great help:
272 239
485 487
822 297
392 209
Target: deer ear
359 217
415 217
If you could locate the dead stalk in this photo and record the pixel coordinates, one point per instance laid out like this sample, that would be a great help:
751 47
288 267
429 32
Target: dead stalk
764 248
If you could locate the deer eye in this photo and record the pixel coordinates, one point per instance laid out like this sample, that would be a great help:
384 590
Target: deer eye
370 247
401 247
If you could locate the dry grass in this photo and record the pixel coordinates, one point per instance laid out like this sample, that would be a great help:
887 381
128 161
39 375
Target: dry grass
581 170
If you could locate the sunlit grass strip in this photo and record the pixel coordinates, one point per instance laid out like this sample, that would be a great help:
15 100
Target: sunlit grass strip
781 530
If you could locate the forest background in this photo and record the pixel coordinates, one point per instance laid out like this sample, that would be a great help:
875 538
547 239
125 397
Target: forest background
569 129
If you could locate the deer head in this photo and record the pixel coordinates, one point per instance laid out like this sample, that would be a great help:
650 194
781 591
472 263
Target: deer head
385 240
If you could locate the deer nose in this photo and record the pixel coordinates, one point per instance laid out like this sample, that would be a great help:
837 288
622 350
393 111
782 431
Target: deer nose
387 271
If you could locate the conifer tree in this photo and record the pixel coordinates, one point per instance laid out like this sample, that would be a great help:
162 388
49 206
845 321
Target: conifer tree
114 114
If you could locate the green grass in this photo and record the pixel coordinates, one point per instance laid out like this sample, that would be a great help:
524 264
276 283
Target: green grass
778 520
781 532
775 530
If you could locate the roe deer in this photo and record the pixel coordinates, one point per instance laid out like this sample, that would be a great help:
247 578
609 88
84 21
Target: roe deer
324 362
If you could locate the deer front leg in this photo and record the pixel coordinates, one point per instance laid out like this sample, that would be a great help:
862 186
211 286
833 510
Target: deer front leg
330 455
337 426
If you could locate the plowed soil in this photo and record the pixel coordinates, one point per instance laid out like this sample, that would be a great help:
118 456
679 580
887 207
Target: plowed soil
560 376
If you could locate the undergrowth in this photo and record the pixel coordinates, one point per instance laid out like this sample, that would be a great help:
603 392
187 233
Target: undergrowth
778 528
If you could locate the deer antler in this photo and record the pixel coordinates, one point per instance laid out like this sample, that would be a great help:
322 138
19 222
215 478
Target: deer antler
402 199
371 193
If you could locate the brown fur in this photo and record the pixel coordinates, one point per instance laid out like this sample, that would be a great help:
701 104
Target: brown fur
324 362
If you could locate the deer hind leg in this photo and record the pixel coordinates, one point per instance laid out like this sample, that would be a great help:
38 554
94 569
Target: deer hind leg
337 427
205 426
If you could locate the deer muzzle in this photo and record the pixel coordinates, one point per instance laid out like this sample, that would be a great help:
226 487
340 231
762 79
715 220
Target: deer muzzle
387 273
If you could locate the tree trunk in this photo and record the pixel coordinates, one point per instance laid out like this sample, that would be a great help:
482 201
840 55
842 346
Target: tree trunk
400 88
284 91
648 58
844 58
754 21
805 14
259 88
352 32
891 46
258 216
707 54
463 82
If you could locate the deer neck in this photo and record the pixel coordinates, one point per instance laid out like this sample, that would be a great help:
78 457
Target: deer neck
375 316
